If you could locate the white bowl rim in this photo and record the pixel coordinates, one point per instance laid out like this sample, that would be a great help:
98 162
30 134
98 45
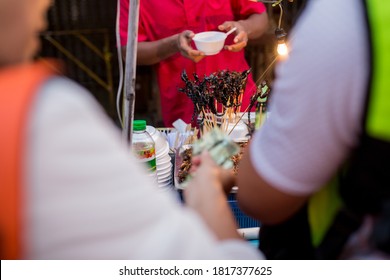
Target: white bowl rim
163 160
163 163
163 151
164 177
165 184
200 37
163 168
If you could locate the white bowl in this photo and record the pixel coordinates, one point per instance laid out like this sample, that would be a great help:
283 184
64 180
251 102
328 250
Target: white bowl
209 42
162 152
164 172
164 186
163 160
163 167
164 179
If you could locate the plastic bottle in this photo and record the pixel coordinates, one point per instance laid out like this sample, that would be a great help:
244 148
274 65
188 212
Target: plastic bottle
144 147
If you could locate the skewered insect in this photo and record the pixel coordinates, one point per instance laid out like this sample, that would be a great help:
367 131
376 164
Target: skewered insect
220 90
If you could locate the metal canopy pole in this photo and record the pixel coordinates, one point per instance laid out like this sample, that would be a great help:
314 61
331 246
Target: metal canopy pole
130 71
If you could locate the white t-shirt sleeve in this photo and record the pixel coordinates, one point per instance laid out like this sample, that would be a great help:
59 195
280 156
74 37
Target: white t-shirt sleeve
87 197
317 99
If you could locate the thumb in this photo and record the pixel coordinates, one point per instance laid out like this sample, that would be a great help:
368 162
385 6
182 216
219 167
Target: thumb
222 27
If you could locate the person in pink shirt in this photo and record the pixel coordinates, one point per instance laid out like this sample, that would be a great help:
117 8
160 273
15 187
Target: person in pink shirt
165 36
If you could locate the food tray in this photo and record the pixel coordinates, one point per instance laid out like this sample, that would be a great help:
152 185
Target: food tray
243 220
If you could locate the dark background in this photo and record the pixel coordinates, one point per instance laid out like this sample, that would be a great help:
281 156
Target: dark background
82 34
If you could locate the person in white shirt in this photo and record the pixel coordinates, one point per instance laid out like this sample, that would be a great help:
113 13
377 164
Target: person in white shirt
316 116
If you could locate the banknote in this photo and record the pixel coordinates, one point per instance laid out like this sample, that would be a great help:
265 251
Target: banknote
220 147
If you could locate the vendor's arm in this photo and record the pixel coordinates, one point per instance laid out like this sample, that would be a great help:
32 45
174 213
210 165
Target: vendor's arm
248 29
149 53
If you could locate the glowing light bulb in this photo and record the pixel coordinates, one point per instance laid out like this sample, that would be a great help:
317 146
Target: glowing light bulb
282 49
281 39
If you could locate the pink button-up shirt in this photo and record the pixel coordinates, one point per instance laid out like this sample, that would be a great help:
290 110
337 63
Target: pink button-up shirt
160 19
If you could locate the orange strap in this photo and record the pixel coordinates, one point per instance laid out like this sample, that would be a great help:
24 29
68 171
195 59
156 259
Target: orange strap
18 86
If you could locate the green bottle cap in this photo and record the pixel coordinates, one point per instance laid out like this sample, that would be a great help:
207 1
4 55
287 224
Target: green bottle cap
139 125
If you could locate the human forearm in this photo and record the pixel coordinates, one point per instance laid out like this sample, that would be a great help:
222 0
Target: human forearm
255 25
217 216
224 224
205 195
149 53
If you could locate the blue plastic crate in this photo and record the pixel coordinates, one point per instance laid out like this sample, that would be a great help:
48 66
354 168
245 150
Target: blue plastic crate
243 220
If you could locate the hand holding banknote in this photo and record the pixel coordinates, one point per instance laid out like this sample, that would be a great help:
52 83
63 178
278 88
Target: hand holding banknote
204 194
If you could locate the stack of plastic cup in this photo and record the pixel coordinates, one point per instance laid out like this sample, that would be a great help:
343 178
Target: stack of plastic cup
163 159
